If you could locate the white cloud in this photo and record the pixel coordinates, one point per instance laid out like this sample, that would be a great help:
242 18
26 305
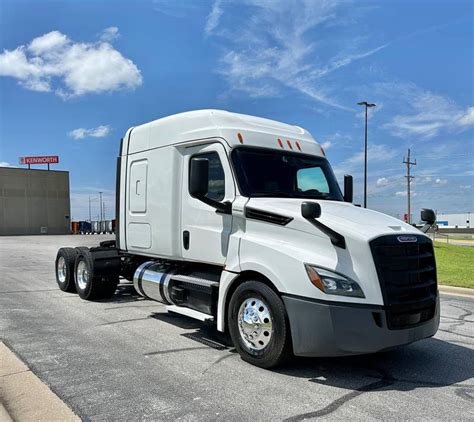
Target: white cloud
214 17
98 132
468 118
53 40
109 34
382 182
54 62
404 193
440 182
268 48
376 153
5 164
177 9
426 114
326 145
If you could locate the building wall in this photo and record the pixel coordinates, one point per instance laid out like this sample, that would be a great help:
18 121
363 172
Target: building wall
34 202
453 220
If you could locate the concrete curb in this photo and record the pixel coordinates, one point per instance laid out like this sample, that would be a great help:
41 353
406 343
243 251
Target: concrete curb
456 291
24 397
4 416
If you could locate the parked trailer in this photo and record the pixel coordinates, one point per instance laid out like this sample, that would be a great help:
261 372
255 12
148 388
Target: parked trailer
239 221
108 227
84 227
95 227
75 227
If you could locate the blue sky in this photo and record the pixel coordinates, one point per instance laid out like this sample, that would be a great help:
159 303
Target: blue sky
74 75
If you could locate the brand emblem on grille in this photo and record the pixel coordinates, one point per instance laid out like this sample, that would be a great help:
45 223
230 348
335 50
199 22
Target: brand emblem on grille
406 239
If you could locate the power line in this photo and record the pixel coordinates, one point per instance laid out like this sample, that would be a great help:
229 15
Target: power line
409 179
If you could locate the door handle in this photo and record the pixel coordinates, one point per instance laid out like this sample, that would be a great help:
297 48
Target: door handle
186 240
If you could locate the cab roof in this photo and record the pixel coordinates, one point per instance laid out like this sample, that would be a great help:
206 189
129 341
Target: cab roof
236 129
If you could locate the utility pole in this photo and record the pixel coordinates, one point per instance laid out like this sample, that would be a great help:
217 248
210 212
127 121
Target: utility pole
409 178
100 194
366 105
90 201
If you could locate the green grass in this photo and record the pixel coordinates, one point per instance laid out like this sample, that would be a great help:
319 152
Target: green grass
455 264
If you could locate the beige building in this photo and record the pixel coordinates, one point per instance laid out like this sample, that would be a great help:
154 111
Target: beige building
34 201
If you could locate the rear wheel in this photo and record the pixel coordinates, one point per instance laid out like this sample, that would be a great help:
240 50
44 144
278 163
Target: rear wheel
65 260
258 325
89 286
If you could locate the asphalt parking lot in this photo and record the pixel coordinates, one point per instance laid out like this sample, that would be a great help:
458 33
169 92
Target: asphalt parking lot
127 359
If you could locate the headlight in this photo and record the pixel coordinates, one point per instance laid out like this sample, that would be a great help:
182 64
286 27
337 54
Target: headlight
333 283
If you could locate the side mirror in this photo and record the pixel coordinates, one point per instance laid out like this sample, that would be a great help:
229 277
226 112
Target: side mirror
310 210
348 188
199 177
428 216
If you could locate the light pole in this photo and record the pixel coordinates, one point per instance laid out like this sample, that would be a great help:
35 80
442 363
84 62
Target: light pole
100 194
91 200
367 105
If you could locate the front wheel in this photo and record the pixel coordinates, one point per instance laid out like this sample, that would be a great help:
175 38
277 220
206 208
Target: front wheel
258 325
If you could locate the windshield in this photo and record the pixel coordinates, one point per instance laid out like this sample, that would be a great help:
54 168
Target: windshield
261 172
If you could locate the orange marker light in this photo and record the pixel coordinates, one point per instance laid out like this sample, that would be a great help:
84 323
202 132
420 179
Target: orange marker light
241 138
314 277
280 143
298 145
289 144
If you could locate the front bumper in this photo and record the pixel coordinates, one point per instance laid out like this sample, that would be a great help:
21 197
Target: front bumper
331 329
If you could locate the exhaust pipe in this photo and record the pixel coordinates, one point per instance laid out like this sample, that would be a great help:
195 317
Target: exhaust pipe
152 280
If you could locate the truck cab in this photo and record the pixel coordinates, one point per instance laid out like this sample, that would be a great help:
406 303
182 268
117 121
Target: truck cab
239 221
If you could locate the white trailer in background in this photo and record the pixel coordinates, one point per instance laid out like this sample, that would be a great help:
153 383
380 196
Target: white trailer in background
239 221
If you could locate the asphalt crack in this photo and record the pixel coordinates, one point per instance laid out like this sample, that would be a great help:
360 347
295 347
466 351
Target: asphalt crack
385 381
184 349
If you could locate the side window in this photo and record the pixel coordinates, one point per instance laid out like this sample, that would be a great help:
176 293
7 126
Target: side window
216 176
311 179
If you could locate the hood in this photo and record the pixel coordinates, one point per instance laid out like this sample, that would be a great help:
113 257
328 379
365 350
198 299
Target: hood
342 217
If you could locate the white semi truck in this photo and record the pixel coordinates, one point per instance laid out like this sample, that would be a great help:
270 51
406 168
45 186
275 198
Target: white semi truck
239 221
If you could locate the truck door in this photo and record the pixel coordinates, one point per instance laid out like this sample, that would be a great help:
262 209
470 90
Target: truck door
205 233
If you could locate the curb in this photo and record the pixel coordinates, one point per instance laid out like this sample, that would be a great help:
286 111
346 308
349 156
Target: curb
456 291
4 415
24 397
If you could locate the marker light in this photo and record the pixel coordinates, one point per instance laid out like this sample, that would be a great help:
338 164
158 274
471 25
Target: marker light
298 145
289 144
241 138
280 143
333 283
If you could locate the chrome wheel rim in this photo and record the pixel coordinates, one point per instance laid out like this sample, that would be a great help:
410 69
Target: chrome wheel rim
82 275
255 323
62 269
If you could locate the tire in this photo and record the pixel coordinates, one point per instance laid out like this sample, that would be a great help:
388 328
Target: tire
89 286
64 268
269 344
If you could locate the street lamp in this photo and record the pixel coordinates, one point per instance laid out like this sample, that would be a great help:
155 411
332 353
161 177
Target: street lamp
91 200
100 195
367 105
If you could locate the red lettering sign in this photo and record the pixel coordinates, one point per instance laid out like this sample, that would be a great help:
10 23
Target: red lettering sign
48 159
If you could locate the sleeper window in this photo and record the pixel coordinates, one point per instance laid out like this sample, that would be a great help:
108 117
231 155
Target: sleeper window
216 176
